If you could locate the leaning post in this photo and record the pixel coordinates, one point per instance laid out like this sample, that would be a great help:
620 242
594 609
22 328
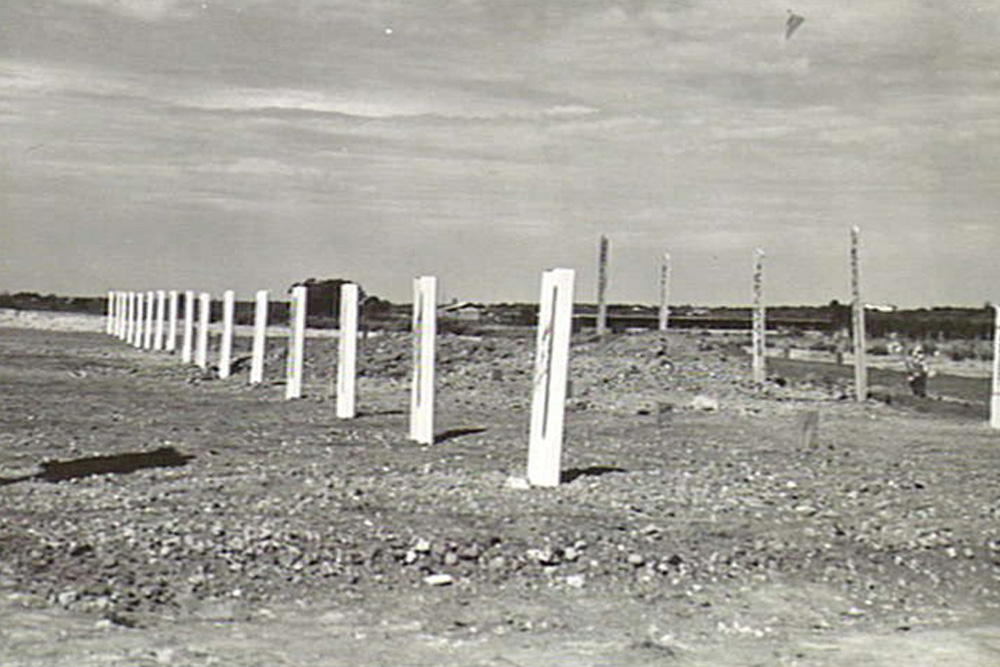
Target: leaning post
424 332
259 337
555 324
759 324
858 320
347 351
296 343
204 317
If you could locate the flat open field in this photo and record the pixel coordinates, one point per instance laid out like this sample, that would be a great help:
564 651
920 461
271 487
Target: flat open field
152 515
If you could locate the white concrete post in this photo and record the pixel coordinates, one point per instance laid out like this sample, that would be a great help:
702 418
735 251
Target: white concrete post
995 398
665 292
602 287
858 320
424 333
347 350
259 337
109 325
296 343
187 345
226 344
129 323
172 299
119 314
161 315
204 317
140 319
548 405
147 340
759 326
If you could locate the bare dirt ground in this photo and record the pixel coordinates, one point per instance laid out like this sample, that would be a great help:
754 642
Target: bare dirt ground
151 515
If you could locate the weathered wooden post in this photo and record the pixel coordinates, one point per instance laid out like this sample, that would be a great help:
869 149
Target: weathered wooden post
161 314
204 317
858 320
296 343
172 299
347 351
119 314
995 398
555 324
226 344
665 292
759 324
147 341
424 333
259 337
187 345
140 319
602 286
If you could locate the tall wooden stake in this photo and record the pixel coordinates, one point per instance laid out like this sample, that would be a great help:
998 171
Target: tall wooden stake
226 344
858 320
548 405
259 337
759 326
665 292
296 344
424 334
995 398
109 324
147 341
172 299
128 326
140 319
347 350
161 315
602 286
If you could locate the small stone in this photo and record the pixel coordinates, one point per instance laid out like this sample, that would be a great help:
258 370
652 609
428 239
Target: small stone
705 403
636 560
410 557
422 546
575 581
570 554
450 558
67 598
439 580
517 483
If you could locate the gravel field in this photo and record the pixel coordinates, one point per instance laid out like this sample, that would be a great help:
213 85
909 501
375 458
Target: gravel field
151 514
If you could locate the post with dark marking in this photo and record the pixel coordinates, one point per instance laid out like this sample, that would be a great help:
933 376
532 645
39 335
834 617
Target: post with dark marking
995 397
296 344
226 344
858 320
424 332
602 287
555 323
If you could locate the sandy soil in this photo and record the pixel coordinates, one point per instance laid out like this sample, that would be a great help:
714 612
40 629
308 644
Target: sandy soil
150 514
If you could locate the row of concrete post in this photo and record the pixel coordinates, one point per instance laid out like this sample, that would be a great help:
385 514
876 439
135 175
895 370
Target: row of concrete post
153 321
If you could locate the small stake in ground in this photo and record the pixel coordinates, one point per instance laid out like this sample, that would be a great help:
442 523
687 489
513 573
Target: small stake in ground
226 345
858 320
109 325
259 337
119 311
759 326
140 319
665 292
296 343
424 333
555 323
127 323
161 314
147 341
602 287
204 317
171 343
808 429
347 350
187 345
995 398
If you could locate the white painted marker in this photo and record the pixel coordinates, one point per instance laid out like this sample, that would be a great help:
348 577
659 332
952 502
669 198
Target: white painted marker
424 333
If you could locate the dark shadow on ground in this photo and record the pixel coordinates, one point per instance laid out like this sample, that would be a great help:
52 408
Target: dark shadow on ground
444 436
379 413
568 476
60 471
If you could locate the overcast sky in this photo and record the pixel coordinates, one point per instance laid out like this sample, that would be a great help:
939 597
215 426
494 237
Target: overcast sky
248 144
